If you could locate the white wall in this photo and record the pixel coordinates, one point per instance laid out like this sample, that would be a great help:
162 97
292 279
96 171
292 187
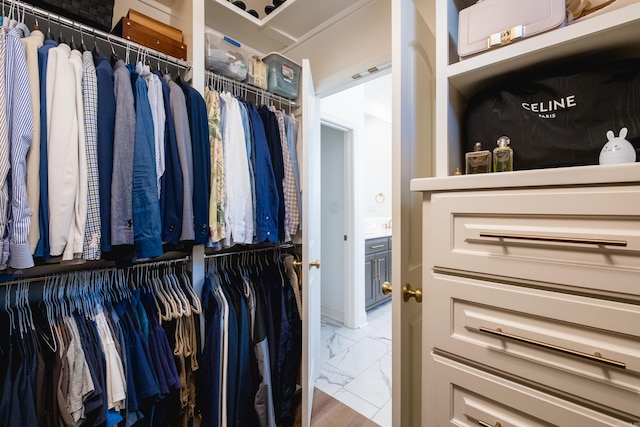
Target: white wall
376 168
365 110
350 46
333 223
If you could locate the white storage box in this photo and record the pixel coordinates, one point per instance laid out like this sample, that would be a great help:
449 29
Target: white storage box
257 73
225 56
284 75
492 23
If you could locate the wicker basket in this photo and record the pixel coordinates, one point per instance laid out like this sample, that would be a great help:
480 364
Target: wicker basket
95 13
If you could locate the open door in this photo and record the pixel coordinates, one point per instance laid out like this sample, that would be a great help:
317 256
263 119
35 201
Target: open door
310 183
413 100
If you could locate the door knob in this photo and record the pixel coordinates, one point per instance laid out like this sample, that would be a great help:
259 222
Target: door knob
315 264
386 288
407 293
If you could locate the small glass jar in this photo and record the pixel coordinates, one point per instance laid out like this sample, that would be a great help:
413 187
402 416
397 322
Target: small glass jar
503 155
478 161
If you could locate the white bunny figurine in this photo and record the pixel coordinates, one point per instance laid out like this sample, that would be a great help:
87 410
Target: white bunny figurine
617 149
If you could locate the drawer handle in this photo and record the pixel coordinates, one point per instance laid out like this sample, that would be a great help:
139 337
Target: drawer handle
597 357
596 242
377 246
483 424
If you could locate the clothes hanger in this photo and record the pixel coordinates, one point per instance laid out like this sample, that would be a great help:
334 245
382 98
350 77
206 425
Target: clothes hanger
73 44
61 39
195 303
185 306
172 297
156 285
96 49
46 295
49 35
83 47
114 56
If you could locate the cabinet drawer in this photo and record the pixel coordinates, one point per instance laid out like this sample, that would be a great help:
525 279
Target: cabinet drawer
583 238
579 345
379 244
465 396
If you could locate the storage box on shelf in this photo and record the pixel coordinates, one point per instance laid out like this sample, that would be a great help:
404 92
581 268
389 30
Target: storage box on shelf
490 24
284 75
257 73
224 56
153 34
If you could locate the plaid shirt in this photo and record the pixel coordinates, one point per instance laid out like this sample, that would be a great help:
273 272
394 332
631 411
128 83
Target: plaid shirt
92 234
291 214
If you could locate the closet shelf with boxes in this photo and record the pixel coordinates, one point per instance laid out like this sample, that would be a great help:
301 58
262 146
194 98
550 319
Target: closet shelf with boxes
535 85
273 73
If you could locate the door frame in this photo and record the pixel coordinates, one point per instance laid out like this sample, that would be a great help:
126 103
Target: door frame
351 210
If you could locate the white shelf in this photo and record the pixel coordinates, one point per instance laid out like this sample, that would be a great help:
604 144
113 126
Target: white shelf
292 22
619 28
623 174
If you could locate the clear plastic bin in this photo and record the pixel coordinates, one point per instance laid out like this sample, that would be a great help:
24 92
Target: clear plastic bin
284 75
225 56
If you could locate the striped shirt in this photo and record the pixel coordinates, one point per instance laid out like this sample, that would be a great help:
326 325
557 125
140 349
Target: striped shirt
20 130
288 183
5 165
92 233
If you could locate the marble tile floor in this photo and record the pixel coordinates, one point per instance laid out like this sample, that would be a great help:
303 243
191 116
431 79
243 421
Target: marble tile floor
356 364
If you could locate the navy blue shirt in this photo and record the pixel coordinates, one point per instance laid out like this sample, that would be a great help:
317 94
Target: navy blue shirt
199 126
171 182
267 199
275 148
106 120
42 248
146 205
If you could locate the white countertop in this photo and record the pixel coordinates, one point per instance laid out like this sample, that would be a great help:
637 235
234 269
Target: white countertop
576 175
378 233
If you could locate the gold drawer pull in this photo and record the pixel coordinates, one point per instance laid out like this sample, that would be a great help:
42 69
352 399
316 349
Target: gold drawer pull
377 246
597 357
483 424
556 239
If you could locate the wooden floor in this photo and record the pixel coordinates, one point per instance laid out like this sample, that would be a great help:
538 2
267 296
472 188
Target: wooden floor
329 412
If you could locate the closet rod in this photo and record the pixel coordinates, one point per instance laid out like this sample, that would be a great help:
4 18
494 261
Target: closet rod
252 250
245 87
156 264
107 37
39 272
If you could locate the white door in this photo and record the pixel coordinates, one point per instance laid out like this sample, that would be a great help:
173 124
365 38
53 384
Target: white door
413 98
310 183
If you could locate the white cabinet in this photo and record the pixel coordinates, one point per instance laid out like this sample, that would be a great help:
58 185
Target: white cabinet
535 280
531 279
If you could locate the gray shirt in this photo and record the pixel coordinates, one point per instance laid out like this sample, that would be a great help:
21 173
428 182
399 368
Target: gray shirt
178 105
123 143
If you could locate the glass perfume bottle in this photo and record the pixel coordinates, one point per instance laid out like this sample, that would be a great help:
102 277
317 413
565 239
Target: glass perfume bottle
503 155
478 161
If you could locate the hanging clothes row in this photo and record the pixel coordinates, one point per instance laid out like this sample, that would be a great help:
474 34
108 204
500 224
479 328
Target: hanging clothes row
96 349
252 348
82 141
255 180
